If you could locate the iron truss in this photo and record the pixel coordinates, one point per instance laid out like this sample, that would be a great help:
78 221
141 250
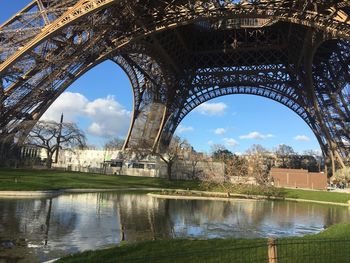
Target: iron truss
179 54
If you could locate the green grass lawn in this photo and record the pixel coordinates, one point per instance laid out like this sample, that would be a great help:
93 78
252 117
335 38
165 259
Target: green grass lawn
215 250
317 195
31 180
331 245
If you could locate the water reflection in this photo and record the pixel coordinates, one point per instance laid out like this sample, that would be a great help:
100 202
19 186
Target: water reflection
43 229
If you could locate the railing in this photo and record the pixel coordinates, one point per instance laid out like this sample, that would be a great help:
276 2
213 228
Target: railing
296 250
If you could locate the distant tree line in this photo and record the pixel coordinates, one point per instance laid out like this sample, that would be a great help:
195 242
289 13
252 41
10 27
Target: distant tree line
257 161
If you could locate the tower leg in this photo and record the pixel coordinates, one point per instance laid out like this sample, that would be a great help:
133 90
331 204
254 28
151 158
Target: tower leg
146 127
313 95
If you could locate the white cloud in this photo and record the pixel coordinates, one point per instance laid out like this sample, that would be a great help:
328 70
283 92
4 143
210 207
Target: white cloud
302 138
220 131
107 117
183 129
210 143
70 104
256 136
230 142
110 118
212 109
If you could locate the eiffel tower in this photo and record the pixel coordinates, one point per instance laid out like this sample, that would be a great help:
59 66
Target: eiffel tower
181 53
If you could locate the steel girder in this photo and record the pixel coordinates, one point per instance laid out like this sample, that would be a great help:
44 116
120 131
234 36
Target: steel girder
179 54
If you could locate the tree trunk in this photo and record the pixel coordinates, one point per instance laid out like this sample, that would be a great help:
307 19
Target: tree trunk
283 163
169 169
49 160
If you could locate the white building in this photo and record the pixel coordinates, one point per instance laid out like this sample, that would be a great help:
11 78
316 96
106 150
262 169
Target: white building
107 161
119 163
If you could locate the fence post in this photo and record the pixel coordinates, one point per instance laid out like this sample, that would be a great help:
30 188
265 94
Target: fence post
272 250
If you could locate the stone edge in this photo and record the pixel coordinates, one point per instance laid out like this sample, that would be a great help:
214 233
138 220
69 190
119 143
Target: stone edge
218 196
240 197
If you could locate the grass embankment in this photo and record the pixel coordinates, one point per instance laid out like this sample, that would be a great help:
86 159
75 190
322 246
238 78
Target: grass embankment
215 250
332 245
33 180
322 247
323 196
317 195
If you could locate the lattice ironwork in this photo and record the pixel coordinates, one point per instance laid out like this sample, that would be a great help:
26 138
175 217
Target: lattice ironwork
179 54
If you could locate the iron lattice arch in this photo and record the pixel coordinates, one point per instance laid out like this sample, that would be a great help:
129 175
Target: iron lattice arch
179 54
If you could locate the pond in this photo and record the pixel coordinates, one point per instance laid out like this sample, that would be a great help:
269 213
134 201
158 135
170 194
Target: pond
36 230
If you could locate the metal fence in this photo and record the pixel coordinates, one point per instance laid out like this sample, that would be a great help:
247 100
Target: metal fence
288 250
296 250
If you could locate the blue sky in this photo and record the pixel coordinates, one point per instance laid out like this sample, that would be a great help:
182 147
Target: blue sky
101 101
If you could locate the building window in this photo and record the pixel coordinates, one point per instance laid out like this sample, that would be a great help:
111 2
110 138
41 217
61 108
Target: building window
138 165
151 166
117 164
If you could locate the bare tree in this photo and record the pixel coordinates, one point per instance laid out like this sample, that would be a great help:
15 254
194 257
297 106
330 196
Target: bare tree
317 155
257 169
115 143
194 159
52 136
258 163
237 166
169 156
214 176
172 154
220 153
257 149
215 173
284 153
